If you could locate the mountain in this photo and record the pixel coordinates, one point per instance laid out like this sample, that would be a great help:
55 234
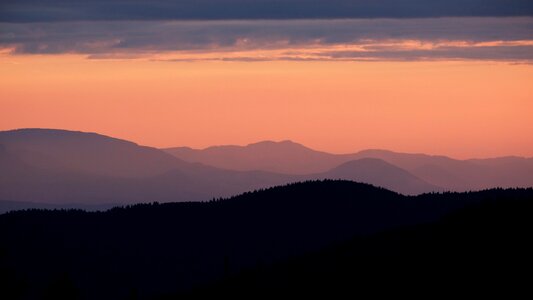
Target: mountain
90 153
76 168
461 175
511 170
284 157
153 249
380 173
440 171
66 167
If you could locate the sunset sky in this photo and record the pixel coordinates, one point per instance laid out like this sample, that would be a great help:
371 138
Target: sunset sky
439 77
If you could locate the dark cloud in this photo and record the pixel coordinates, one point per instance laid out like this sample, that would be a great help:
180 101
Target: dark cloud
379 38
79 10
104 37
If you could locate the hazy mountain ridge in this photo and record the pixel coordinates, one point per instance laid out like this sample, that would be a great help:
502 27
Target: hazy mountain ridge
437 170
65 167
462 175
86 152
281 157
58 166
376 170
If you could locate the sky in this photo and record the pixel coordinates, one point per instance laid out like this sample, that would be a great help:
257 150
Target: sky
439 77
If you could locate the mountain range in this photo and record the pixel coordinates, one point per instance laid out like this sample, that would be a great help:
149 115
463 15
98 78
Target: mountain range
79 169
439 171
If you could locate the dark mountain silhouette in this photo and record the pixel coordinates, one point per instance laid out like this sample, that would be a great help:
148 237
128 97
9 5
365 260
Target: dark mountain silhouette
6 206
155 249
439 171
481 250
77 168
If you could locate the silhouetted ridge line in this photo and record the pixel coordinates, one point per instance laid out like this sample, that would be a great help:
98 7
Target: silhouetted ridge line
480 250
159 249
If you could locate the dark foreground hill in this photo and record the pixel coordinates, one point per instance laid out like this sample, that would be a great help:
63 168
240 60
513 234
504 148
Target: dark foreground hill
482 250
165 249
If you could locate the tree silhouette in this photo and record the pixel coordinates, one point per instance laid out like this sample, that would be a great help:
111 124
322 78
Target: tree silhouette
303 239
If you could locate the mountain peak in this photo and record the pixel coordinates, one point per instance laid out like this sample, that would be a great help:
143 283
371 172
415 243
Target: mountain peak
365 161
43 131
283 143
378 171
55 134
86 152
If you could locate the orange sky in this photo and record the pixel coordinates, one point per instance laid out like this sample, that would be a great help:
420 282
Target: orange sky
461 109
